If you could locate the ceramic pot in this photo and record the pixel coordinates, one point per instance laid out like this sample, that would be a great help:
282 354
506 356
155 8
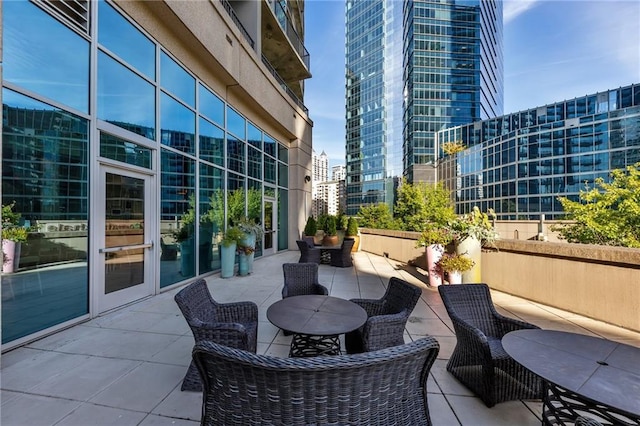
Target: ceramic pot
472 248
433 253
227 260
455 277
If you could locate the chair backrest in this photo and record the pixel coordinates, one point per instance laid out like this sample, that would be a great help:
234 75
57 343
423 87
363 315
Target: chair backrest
303 246
309 240
400 295
347 245
471 304
375 388
196 303
300 278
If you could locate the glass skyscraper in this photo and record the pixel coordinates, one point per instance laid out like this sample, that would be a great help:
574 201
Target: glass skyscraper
520 163
442 68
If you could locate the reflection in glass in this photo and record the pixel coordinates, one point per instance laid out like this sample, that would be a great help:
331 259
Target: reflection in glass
178 125
283 219
44 56
211 213
211 143
254 136
283 153
254 208
45 172
235 154
254 163
269 170
124 151
177 210
122 38
176 80
268 225
124 98
269 145
283 175
235 198
123 270
211 106
236 123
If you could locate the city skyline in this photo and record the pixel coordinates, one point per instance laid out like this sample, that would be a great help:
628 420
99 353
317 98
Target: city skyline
578 47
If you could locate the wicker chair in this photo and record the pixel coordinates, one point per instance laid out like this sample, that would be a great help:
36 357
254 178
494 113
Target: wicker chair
301 278
387 318
311 242
387 387
308 254
342 257
478 360
587 421
230 324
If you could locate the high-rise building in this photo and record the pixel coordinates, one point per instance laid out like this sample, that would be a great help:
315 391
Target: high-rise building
442 68
338 172
320 167
520 163
134 134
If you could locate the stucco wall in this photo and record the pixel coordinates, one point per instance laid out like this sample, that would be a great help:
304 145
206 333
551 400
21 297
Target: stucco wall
595 281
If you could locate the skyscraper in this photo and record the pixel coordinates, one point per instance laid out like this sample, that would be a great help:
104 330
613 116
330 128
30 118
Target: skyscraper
442 68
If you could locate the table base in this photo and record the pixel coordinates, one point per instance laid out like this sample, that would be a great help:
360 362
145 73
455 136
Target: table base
562 407
304 345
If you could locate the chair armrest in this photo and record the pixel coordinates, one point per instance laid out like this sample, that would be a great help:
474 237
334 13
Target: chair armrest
238 312
320 289
373 307
473 338
507 324
229 334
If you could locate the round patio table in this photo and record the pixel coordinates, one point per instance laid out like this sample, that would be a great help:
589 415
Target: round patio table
583 375
316 322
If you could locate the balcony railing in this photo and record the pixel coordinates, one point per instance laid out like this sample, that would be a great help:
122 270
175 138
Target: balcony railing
284 85
285 23
227 6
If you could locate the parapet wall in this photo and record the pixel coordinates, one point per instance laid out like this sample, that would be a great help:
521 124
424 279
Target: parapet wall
599 282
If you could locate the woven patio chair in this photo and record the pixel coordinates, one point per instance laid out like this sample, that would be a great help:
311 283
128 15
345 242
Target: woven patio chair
382 388
586 421
308 254
311 242
300 279
387 318
342 258
230 324
478 360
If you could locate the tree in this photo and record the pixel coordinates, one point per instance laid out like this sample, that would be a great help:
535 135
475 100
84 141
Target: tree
377 216
422 204
608 213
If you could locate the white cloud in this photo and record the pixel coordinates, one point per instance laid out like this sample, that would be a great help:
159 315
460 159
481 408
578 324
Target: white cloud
514 8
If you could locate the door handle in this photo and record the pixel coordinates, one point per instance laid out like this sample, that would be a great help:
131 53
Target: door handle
122 248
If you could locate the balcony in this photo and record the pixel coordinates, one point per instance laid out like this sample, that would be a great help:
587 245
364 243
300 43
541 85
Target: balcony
126 367
283 47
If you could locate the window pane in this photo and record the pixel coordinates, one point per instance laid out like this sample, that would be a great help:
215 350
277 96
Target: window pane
255 136
45 171
44 56
124 98
283 174
211 213
283 153
211 143
254 208
283 219
255 163
176 80
235 154
122 38
236 123
269 169
178 124
235 198
269 145
211 106
124 151
178 189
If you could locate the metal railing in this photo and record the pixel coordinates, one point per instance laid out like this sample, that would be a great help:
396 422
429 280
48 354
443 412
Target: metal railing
284 85
285 23
227 6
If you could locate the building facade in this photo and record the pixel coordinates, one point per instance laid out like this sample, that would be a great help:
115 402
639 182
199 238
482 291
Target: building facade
519 164
413 68
338 172
134 134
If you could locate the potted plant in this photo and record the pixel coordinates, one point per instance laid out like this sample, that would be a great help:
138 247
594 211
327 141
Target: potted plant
352 232
454 265
331 233
434 239
228 246
244 253
13 235
252 233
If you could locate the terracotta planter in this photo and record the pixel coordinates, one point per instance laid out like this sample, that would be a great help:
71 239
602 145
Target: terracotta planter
330 240
433 253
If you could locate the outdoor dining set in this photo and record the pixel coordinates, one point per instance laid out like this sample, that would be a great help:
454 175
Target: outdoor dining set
377 378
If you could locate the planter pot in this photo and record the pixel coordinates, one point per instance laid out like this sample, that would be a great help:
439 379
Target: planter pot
318 238
11 256
187 260
356 242
227 260
330 240
433 253
471 247
455 277
243 264
250 241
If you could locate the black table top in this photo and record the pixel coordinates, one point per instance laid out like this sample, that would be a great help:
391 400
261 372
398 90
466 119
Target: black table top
316 315
598 369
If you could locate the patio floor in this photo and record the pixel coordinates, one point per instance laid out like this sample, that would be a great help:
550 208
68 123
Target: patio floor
126 367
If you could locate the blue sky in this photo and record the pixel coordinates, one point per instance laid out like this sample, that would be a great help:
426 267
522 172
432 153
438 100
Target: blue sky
553 50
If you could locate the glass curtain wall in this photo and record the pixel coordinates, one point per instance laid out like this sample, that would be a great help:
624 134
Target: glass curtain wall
212 160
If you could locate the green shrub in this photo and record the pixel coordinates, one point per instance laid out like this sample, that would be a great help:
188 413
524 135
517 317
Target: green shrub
331 226
352 227
311 227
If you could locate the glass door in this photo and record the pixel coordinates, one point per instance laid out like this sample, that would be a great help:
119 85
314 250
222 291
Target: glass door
270 234
124 242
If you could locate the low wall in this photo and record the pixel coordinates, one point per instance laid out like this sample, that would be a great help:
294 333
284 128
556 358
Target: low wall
599 282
